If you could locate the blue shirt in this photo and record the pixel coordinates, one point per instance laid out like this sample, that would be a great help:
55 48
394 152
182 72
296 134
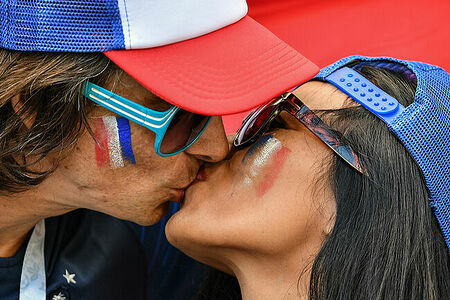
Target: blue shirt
111 259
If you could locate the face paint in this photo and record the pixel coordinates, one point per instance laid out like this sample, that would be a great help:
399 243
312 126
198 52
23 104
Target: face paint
266 141
266 156
273 170
113 145
101 145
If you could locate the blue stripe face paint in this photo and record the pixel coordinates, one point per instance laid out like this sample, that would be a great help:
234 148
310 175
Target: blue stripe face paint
123 126
254 149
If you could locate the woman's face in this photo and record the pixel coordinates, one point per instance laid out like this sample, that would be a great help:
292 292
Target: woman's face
267 199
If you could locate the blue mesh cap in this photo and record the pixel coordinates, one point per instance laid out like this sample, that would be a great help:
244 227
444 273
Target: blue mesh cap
103 25
423 127
64 26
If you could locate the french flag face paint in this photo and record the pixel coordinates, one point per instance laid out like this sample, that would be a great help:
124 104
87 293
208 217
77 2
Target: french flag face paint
265 159
113 147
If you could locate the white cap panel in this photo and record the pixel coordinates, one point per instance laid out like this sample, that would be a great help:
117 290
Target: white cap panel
153 23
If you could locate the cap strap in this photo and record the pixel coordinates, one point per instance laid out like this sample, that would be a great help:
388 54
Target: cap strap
360 89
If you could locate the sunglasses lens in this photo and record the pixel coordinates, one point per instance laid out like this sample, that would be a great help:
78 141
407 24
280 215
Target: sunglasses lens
184 128
253 124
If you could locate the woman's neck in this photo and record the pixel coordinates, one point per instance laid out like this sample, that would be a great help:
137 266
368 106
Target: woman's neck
263 278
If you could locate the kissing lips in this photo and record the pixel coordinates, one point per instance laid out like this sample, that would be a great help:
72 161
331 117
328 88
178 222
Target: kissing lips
179 196
201 176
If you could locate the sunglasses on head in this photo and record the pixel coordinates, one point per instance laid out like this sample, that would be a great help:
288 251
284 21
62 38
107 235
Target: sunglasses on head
257 122
176 129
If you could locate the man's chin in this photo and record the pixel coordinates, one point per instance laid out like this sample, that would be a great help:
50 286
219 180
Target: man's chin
151 217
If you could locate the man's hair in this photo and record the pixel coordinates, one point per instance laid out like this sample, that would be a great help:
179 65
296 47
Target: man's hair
50 89
386 242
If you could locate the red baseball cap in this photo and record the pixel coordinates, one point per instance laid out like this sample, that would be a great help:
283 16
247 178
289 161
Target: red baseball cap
215 60
207 57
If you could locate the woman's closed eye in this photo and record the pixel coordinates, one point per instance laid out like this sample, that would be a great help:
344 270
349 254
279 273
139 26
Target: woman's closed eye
277 123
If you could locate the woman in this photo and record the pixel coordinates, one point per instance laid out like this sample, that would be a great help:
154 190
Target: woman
334 205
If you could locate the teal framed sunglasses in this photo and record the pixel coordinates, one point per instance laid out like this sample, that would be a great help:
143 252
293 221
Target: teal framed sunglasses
176 129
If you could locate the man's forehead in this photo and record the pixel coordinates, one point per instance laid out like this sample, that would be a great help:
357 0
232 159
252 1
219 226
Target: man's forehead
127 87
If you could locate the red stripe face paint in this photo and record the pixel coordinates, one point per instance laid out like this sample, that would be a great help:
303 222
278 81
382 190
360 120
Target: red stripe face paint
101 146
273 170
265 159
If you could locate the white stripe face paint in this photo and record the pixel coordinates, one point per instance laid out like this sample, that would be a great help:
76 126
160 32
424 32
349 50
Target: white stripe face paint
265 154
259 155
115 150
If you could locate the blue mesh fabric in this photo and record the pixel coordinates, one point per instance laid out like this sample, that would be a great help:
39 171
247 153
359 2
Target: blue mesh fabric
424 129
62 26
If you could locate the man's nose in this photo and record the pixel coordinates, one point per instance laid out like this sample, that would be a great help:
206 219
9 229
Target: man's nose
212 145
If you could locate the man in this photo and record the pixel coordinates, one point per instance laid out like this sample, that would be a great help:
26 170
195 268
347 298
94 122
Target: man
88 144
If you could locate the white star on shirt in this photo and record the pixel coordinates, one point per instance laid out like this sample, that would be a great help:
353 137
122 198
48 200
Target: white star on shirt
69 277
59 297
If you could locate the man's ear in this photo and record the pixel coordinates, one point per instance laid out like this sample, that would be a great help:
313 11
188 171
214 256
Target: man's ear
17 105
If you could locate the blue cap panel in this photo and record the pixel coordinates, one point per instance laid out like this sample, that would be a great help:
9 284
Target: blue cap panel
423 127
47 25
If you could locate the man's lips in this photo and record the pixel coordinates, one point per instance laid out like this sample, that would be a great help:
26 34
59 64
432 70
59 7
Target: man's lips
201 176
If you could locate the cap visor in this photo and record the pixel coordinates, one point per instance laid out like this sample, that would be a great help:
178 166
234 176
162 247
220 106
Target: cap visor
227 71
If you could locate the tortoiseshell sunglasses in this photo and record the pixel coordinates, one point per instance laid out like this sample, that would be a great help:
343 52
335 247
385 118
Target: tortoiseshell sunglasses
258 121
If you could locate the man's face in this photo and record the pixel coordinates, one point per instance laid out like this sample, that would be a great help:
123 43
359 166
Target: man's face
140 192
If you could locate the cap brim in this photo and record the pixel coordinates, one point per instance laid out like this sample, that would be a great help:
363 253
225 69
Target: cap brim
227 71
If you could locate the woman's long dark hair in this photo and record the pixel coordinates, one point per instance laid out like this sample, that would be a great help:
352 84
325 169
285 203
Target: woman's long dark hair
386 242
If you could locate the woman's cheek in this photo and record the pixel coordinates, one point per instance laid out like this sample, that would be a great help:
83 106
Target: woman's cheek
263 162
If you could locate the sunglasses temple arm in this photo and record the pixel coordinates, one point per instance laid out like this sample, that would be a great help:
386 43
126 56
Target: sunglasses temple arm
325 133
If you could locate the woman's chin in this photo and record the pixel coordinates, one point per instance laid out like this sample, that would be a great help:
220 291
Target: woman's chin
184 228
192 241
185 231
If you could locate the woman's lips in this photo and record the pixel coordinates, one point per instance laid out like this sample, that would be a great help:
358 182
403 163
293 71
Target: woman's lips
179 196
201 176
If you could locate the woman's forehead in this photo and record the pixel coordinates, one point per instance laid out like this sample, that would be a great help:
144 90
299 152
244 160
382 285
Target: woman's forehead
321 95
